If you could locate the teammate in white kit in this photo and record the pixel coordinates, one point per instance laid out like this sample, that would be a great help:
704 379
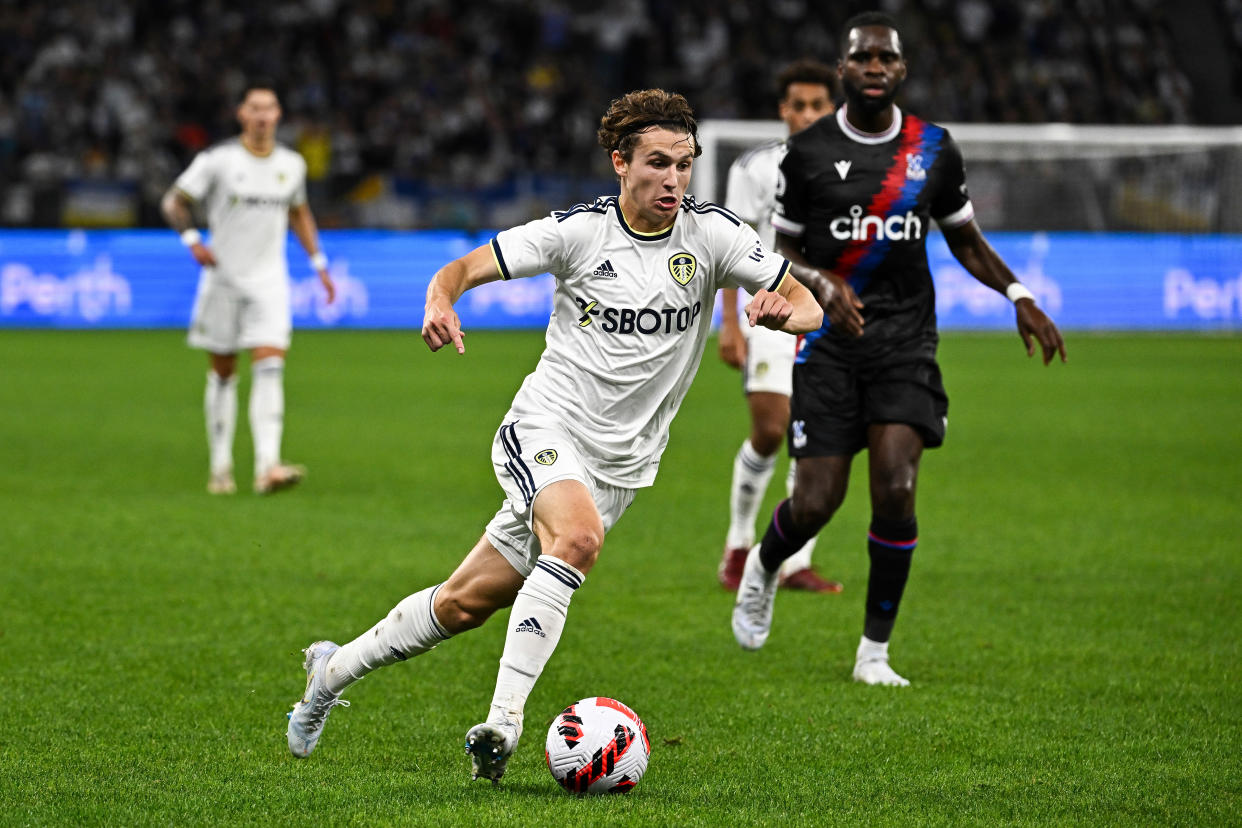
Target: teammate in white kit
766 357
635 278
252 190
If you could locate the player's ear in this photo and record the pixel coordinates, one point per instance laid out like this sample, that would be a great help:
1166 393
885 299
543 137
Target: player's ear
619 165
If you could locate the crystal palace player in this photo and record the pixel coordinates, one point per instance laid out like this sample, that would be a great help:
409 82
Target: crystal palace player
636 275
857 195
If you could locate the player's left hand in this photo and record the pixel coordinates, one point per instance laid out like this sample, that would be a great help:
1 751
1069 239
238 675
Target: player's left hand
769 309
328 286
1034 324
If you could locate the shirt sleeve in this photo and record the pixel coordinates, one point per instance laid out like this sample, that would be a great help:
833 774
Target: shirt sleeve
743 195
791 206
197 179
748 265
951 206
529 249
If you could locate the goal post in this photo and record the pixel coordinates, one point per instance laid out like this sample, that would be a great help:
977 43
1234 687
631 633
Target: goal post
1180 179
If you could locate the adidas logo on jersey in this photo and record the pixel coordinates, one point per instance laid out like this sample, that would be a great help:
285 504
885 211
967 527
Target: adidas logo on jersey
862 228
531 625
605 271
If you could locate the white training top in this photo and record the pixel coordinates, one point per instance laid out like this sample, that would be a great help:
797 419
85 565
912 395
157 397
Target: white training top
751 191
630 319
247 198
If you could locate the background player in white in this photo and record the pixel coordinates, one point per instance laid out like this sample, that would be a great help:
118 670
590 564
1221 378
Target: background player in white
253 190
765 356
636 275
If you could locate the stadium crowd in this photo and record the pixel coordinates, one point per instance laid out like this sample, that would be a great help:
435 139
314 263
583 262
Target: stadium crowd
493 95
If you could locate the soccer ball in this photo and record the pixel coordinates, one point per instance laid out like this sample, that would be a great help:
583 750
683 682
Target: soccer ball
597 745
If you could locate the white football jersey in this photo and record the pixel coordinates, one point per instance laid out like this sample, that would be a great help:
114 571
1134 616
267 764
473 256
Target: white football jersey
630 319
247 200
751 191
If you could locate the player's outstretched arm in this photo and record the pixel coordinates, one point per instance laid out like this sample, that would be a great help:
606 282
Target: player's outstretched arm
981 260
175 205
302 223
441 325
841 305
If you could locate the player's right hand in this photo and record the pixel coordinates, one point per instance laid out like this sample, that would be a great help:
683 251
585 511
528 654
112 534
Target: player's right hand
843 305
203 255
732 345
440 327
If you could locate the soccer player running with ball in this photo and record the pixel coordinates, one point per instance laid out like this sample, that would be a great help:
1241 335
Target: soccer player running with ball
253 190
635 277
764 356
857 193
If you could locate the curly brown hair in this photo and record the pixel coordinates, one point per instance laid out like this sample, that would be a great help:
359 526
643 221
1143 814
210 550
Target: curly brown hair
633 114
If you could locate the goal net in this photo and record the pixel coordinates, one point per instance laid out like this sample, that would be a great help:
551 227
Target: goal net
1061 177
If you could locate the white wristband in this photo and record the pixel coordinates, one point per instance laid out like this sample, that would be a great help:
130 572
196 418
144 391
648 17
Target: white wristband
1017 290
319 261
191 237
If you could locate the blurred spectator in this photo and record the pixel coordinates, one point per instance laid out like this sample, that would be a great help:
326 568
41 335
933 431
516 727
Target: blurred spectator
466 95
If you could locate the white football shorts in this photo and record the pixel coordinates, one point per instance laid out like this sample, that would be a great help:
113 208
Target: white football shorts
769 360
528 454
227 319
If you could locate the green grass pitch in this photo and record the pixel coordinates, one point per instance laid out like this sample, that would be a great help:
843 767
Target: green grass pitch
1072 624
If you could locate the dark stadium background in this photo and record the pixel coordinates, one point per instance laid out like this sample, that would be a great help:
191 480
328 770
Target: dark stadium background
469 113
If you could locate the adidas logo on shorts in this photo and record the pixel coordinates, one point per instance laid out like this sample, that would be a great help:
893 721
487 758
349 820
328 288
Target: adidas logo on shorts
605 270
531 625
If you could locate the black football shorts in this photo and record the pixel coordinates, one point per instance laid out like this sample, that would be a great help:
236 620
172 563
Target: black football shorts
834 402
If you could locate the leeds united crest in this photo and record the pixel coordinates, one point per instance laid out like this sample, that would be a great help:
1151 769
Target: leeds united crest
682 267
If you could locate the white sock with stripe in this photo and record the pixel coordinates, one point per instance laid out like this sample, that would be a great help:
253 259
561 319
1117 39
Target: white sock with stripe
535 625
220 407
410 629
802 558
751 473
267 411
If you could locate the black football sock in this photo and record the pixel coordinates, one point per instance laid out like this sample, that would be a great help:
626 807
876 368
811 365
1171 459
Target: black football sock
891 545
782 539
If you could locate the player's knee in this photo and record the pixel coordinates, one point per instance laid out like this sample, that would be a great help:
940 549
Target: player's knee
223 367
766 437
578 547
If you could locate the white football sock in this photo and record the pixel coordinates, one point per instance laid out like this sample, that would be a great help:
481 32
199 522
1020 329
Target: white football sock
410 629
869 650
802 558
220 406
751 473
535 625
267 411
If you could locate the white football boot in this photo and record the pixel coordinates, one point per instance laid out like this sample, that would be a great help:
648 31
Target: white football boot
279 477
309 715
221 483
489 746
752 612
871 666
